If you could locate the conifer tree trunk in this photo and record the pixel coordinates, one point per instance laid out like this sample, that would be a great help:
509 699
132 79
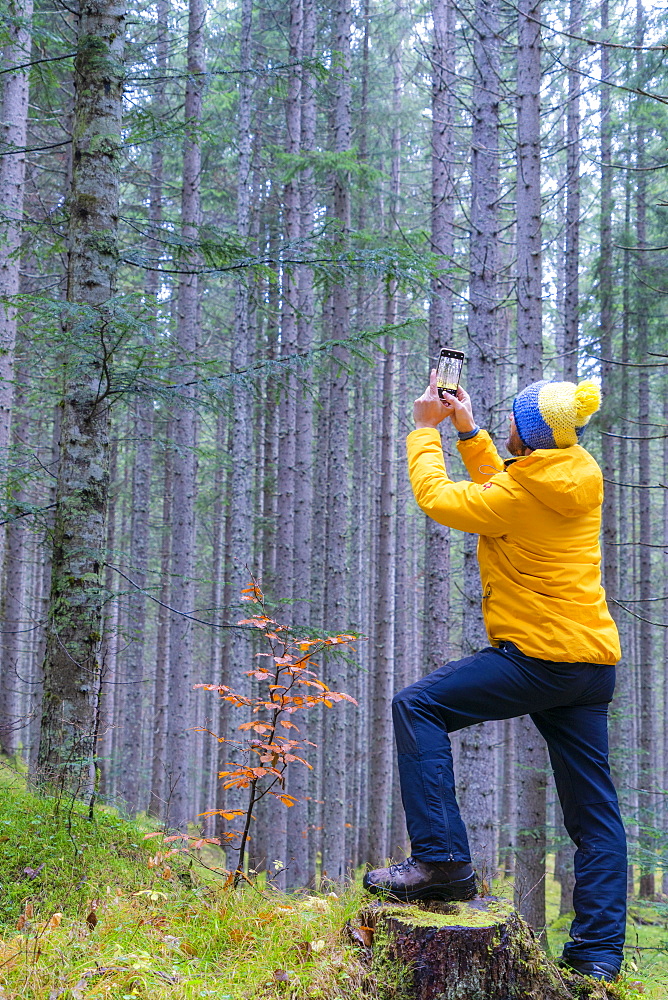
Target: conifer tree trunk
477 777
72 668
529 279
664 784
133 672
287 418
240 525
160 714
15 668
532 752
572 262
647 679
13 131
383 660
336 554
300 872
185 437
437 628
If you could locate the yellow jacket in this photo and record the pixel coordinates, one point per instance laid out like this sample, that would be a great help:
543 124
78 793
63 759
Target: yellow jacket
539 520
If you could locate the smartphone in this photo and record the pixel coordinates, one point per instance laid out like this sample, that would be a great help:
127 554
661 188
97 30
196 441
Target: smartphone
448 372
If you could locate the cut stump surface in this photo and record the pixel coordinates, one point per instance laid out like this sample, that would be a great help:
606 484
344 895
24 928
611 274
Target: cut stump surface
477 950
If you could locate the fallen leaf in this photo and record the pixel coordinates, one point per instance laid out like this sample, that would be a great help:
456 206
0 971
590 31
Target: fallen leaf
317 946
29 909
366 933
91 919
282 975
55 921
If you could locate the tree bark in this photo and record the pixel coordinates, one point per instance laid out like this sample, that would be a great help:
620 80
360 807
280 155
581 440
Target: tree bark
383 660
133 673
477 777
300 871
529 277
532 752
184 424
437 627
72 667
241 451
572 261
13 133
458 951
157 796
647 680
336 555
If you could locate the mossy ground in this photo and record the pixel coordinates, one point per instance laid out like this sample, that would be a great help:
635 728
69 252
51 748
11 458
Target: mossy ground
174 931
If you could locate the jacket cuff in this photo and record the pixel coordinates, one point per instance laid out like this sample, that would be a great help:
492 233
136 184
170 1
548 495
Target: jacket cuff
465 435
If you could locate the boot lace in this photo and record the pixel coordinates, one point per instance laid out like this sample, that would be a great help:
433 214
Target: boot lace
403 868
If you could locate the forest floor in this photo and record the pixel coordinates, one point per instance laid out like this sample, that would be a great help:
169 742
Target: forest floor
96 911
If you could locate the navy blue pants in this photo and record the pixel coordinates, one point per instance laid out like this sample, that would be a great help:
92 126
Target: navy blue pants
568 703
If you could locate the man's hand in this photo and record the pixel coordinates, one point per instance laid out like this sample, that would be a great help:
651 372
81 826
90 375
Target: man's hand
461 411
430 409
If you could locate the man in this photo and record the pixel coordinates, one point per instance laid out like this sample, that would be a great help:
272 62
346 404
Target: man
552 654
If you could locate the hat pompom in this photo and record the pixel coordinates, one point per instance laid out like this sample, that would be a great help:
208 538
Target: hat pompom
587 399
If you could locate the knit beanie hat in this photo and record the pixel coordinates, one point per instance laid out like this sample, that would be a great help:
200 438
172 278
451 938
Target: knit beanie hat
554 414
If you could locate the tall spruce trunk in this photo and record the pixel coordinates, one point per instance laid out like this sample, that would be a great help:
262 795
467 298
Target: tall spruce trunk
622 708
13 132
647 678
477 776
240 521
184 467
383 659
72 667
532 752
572 255
529 277
160 700
14 719
336 554
300 871
437 626
133 665
287 418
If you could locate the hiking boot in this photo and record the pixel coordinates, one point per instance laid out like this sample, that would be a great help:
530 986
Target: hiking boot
596 970
415 879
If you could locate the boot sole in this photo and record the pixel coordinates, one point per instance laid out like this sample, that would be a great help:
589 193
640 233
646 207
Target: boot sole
448 891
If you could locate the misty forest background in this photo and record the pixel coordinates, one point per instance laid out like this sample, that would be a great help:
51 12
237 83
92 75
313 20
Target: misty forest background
234 237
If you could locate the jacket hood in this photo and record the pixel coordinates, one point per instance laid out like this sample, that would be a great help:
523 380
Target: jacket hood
567 480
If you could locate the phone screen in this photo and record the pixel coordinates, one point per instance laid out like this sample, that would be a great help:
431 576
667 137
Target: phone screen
448 372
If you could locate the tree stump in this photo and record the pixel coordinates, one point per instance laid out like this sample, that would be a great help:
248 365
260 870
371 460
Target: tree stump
477 950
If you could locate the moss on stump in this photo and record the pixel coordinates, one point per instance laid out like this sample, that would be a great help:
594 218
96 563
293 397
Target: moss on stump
477 950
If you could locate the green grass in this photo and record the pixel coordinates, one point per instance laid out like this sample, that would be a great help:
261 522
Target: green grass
158 931
87 914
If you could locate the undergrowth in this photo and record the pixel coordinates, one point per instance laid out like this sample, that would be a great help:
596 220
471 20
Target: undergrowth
86 915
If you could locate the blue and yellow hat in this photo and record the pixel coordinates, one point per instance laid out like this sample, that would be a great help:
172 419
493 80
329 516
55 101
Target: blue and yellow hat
554 414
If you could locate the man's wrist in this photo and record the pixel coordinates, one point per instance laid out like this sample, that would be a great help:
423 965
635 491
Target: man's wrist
422 426
465 435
